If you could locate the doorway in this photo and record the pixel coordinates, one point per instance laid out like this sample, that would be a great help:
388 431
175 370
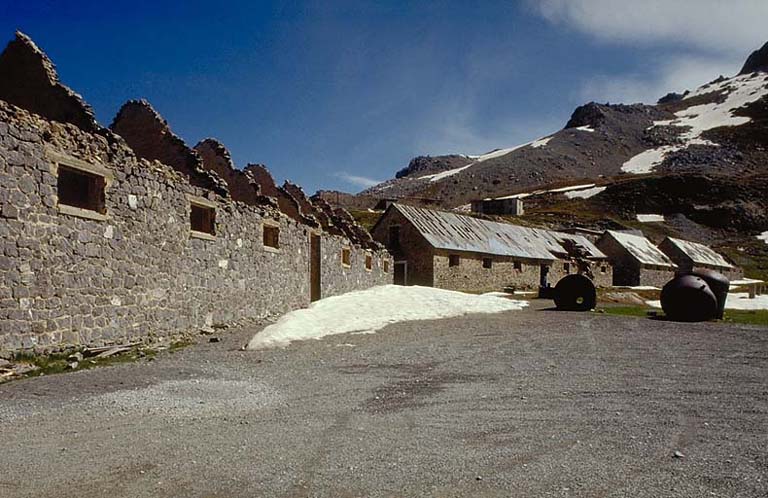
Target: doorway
314 267
401 272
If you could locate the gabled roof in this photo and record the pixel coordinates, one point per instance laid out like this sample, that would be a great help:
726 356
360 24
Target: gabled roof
456 232
642 249
699 253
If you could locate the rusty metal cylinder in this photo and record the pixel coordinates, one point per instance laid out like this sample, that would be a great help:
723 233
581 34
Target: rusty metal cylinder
688 298
718 284
575 293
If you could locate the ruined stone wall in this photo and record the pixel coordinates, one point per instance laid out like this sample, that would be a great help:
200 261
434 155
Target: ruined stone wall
135 270
470 275
338 278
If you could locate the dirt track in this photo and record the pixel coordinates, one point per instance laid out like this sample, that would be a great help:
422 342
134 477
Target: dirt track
532 403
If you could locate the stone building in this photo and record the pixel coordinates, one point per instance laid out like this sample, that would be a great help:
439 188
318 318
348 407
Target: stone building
636 261
111 235
689 256
452 251
510 206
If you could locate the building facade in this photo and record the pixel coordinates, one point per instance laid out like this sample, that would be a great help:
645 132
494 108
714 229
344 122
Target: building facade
690 256
635 260
452 251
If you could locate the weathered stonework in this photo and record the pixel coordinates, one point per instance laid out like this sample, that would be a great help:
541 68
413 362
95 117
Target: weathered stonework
29 81
134 268
470 275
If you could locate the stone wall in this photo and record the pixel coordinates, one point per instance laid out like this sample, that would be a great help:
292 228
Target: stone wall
136 270
470 275
602 272
411 248
655 277
337 278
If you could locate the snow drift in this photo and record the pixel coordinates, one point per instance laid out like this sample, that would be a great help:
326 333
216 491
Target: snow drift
373 309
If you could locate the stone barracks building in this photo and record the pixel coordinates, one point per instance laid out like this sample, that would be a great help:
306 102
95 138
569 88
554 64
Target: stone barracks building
452 251
111 235
689 256
636 261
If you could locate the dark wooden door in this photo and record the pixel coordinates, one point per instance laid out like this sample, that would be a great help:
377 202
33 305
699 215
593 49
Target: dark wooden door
400 273
314 267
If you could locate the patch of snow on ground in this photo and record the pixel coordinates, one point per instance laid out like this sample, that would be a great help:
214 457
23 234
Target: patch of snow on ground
763 236
735 301
584 194
541 142
477 159
650 218
523 195
373 309
646 161
742 90
586 128
439 176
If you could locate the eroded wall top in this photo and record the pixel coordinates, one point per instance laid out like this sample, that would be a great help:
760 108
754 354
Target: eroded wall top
29 80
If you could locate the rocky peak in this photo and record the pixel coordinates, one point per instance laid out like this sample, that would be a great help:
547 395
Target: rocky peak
757 61
592 114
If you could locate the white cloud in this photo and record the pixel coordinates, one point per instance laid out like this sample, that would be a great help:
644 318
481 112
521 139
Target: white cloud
724 26
675 74
358 181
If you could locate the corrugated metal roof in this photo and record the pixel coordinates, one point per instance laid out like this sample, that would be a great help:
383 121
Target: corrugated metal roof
699 253
642 249
456 232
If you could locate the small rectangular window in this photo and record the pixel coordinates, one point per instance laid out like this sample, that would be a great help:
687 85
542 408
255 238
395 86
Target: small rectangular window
346 256
271 237
202 219
603 269
368 262
487 263
81 189
454 260
518 265
567 267
385 265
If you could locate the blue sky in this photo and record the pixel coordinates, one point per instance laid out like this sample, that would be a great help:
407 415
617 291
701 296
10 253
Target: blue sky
337 94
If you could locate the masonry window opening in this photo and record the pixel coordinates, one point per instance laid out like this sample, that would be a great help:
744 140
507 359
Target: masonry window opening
271 237
454 260
368 262
202 219
487 263
346 257
81 189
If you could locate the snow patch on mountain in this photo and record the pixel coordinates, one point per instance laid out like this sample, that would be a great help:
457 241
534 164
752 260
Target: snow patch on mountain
541 142
584 194
763 236
739 91
476 159
650 218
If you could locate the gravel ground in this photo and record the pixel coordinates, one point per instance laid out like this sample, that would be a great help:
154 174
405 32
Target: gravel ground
526 403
